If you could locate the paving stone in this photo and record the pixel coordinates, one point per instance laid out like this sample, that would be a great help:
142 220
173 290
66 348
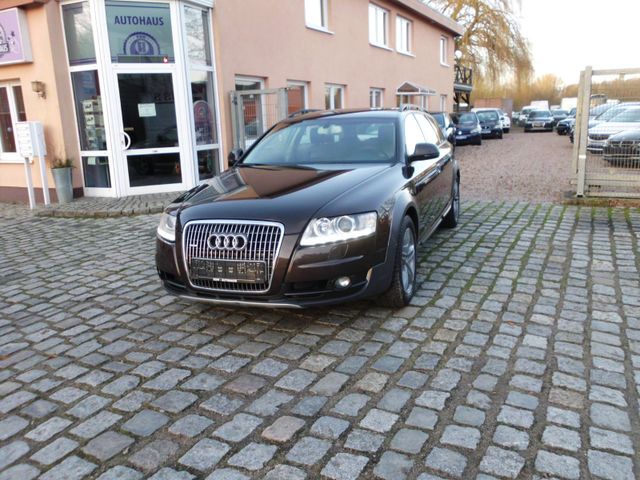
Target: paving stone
11 452
190 425
308 451
120 473
309 406
145 423
351 404
609 417
167 380
153 455
610 467
503 463
222 404
329 427
72 468
433 399
608 440
204 455
393 466
364 441
283 429
88 406
95 425
269 403
463 437
107 445
11 425
296 380
446 461
174 401
422 418
21 471
516 417
469 416
560 465
171 474
227 474
379 420
511 438
285 472
330 384
345 466
204 382
237 429
253 457
408 440
246 384
562 438
39 409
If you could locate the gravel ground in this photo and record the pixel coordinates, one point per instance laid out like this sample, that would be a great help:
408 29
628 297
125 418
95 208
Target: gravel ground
535 167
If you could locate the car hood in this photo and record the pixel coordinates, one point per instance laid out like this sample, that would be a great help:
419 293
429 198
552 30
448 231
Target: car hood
628 135
614 127
290 195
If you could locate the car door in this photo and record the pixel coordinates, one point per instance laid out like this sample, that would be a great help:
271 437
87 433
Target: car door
444 163
425 173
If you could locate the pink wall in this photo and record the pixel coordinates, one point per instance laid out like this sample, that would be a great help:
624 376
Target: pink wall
269 39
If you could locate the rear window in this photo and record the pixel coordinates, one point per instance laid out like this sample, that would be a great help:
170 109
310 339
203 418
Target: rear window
327 140
490 115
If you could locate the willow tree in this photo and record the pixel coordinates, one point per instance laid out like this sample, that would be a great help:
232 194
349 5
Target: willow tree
492 44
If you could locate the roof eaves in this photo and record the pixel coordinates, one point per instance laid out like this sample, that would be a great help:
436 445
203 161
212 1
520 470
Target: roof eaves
432 16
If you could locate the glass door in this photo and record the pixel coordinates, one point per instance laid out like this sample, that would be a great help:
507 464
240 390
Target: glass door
150 138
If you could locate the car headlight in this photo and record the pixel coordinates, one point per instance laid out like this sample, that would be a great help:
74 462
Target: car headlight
167 227
339 229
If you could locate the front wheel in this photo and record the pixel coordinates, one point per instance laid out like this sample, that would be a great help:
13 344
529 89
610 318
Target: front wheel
403 283
507 130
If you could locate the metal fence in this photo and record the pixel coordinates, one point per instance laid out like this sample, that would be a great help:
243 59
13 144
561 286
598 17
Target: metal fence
253 112
606 154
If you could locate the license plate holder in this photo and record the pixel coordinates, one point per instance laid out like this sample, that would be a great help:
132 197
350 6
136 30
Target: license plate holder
234 271
538 124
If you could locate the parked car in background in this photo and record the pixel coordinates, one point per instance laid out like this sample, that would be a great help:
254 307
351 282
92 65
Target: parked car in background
446 124
563 127
524 113
324 208
611 112
559 115
506 122
490 122
539 120
623 148
468 130
628 119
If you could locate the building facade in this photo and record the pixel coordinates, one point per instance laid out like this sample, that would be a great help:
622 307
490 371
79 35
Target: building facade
148 96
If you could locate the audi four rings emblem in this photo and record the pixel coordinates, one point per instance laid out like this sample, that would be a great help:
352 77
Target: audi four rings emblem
227 241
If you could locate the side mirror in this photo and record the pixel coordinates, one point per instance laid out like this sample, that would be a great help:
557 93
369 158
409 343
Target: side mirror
234 156
424 151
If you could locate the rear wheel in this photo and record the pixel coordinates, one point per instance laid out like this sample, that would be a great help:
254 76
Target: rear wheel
403 283
450 220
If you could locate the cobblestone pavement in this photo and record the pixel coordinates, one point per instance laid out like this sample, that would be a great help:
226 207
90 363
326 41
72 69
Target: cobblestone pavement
520 358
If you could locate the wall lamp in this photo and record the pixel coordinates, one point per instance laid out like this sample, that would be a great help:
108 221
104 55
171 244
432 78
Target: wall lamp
39 88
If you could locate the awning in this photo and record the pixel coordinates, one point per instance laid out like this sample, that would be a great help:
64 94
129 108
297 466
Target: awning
410 88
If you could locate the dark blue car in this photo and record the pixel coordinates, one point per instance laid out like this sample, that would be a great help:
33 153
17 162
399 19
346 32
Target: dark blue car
468 129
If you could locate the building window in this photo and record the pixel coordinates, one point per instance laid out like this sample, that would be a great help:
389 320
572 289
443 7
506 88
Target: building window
315 14
443 51
78 33
378 26
403 35
296 96
376 97
11 111
334 97
443 103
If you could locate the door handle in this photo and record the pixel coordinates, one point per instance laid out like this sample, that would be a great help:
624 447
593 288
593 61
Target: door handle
127 141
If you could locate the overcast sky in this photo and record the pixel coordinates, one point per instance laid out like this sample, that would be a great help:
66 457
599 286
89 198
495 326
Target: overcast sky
567 35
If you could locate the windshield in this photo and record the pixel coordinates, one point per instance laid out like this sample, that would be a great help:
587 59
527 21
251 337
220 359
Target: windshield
439 117
630 115
559 113
595 111
484 116
540 114
468 118
327 140
612 112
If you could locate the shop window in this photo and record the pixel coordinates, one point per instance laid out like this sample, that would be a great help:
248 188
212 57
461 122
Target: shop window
91 129
197 30
96 172
78 33
378 26
139 32
334 97
11 111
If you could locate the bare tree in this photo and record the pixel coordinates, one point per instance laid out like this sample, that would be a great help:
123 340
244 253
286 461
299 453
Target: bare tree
492 43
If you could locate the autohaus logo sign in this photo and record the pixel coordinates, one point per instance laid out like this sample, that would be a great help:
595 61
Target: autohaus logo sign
14 37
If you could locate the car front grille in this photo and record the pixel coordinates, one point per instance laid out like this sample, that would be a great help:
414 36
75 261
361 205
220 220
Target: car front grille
623 143
598 136
264 240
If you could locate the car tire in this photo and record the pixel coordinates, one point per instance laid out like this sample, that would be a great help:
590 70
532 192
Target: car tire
403 281
478 142
526 130
450 220
500 135
507 130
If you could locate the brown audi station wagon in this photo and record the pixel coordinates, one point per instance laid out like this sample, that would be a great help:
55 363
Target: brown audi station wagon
324 208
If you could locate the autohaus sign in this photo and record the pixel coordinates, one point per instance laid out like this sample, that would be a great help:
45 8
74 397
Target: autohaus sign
14 37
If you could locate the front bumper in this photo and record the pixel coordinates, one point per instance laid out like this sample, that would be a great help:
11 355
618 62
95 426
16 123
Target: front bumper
595 146
303 277
539 126
494 131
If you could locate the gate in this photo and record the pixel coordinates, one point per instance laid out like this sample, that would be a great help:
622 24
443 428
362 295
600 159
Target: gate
606 153
253 112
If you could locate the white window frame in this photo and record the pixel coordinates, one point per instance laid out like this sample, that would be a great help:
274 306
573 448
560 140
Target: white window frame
443 103
376 94
378 17
305 91
444 51
333 87
404 31
12 157
323 26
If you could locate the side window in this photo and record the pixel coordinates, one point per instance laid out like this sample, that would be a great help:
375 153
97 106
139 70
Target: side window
412 134
431 130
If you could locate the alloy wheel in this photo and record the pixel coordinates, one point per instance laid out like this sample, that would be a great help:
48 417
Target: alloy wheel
408 271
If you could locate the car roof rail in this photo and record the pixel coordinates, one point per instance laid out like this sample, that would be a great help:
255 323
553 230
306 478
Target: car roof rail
304 111
409 106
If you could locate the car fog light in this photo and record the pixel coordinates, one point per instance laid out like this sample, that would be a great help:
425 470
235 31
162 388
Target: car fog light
343 282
